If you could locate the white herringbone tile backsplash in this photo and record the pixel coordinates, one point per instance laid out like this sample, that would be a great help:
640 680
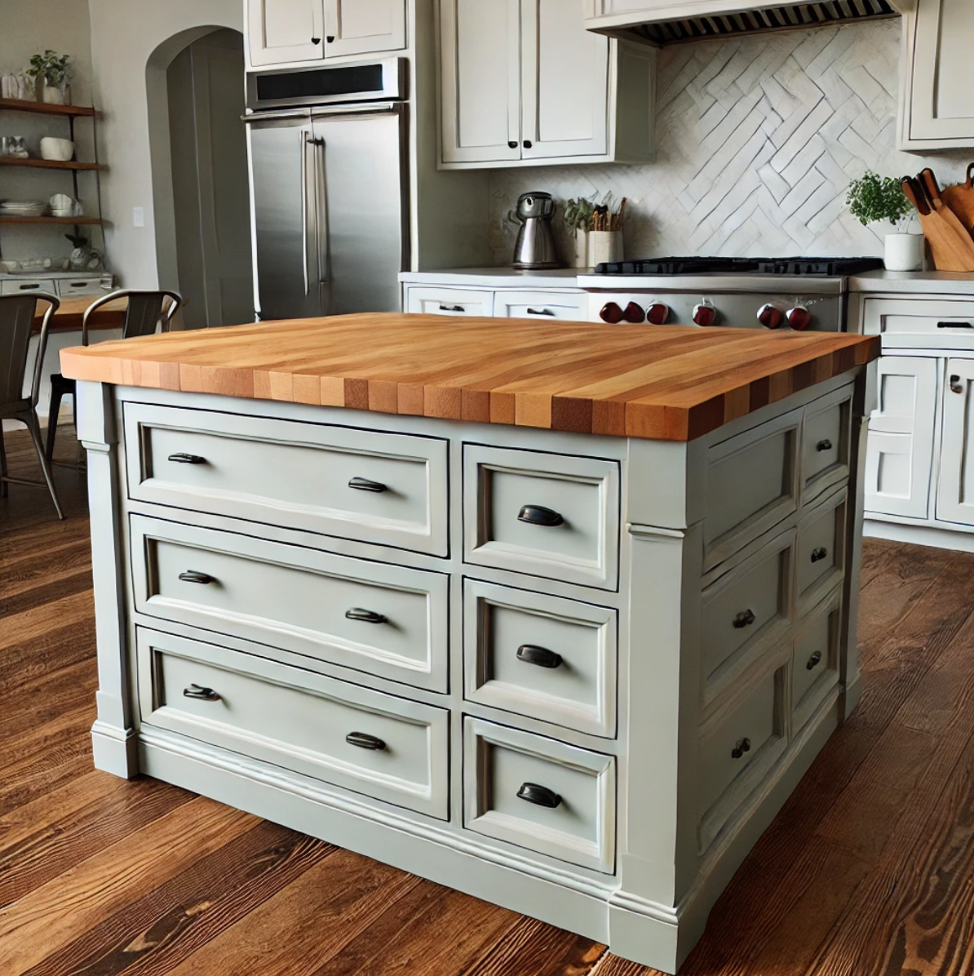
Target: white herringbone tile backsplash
757 140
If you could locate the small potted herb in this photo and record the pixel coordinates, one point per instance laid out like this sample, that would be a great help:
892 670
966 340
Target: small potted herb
577 215
54 71
873 198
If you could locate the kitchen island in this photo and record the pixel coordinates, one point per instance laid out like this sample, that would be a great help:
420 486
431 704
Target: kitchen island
557 615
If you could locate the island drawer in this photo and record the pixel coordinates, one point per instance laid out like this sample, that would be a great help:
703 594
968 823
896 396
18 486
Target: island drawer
389 748
815 661
821 550
929 322
443 300
826 438
544 306
378 618
545 657
367 485
549 515
751 485
539 793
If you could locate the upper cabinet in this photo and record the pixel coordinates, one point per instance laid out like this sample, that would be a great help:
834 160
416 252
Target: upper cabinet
523 82
936 108
288 31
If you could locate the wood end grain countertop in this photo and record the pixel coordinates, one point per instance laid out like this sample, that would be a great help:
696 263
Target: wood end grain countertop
672 383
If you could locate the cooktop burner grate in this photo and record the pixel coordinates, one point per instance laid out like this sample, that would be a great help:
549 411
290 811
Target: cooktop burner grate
751 266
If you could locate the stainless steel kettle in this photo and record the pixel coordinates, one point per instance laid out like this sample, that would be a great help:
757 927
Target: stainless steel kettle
535 247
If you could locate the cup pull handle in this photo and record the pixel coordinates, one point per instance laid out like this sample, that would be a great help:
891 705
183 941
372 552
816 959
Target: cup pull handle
539 515
194 576
200 692
366 485
366 741
955 385
536 655
539 311
361 614
536 794
182 458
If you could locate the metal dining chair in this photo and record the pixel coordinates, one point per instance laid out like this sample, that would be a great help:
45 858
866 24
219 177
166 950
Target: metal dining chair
145 311
17 314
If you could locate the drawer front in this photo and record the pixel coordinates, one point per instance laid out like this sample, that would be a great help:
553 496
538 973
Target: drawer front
540 794
433 300
821 550
746 611
825 444
752 484
545 657
381 619
80 286
553 516
929 323
815 663
297 720
16 286
371 486
540 305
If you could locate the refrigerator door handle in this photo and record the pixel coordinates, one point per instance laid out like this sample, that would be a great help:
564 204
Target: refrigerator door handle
304 208
321 207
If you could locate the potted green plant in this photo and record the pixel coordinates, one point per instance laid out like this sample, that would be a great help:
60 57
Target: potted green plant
577 215
874 198
53 70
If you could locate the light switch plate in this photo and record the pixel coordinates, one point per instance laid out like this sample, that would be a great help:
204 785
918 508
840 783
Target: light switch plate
138 217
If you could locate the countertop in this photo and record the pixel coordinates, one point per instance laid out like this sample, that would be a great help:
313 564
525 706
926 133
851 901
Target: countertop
914 282
671 383
499 277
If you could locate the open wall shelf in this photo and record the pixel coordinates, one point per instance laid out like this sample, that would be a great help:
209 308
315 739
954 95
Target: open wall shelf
44 108
51 220
51 164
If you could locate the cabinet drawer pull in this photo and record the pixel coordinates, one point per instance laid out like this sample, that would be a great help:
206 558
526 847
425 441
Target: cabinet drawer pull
955 325
536 794
361 614
955 385
819 553
539 311
182 458
366 741
824 445
194 576
740 748
814 660
512 144
200 692
539 515
536 655
744 619
452 308
330 38
365 485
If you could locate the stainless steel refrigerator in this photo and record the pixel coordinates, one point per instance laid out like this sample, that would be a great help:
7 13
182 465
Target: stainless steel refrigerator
328 193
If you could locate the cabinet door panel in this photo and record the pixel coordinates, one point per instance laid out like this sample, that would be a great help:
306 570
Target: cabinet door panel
955 495
281 31
899 451
364 26
564 73
480 64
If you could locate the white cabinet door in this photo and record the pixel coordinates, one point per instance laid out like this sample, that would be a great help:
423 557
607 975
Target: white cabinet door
281 31
941 111
364 26
899 451
481 92
564 77
955 495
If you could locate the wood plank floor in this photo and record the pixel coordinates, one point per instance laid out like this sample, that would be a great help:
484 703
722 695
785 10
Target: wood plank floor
869 868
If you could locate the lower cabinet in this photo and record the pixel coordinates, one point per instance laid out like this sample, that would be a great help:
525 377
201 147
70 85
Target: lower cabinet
955 491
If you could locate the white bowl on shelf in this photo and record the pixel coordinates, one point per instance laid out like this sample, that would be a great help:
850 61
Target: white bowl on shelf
68 212
53 148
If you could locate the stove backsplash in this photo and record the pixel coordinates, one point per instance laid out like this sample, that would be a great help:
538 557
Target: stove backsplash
757 140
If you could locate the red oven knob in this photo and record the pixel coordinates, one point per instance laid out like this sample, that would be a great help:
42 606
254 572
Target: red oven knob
611 312
771 317
704 314
799 317
658 313
634 313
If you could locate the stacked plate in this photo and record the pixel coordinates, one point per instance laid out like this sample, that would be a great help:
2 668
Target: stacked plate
22 208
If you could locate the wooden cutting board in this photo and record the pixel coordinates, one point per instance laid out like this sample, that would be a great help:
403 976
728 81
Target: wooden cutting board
960 199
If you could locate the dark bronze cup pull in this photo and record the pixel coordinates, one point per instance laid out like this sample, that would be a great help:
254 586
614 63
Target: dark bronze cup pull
740 748
539 515
819 553
182 458
814 660
361 614
955 385
744 619
539 311
536 794
365 485
194 576
200 692
824 445
366 741
536 655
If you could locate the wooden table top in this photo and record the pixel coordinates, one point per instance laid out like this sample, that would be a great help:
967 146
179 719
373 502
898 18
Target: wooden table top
671 383
68 316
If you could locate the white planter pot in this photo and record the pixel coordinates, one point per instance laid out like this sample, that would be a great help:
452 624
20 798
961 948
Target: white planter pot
581 247
57 149
604 246
904 252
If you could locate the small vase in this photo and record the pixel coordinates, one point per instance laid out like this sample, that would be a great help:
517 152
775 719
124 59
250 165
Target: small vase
604 246
904 252
581 247
56 94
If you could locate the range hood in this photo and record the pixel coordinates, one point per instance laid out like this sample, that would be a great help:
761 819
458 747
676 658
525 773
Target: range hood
661 22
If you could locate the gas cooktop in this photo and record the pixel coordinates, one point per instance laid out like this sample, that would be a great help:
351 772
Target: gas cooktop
750 266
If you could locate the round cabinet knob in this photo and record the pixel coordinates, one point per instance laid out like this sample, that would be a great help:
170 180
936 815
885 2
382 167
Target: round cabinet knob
658 313
799 317
634 313
610 312
704 314
771 317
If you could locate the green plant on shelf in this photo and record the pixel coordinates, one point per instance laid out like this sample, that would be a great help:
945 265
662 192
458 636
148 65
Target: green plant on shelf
52 67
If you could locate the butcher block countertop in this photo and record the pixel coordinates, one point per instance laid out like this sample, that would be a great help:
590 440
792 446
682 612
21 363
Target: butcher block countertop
672 383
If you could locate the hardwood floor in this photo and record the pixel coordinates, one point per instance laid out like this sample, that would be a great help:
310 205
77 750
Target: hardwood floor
868 869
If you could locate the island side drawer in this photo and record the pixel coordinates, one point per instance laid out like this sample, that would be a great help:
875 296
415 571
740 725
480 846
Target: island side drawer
389 748
546 657
366 485
820 551
540 794
826 443
815 663
550 515
378 618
